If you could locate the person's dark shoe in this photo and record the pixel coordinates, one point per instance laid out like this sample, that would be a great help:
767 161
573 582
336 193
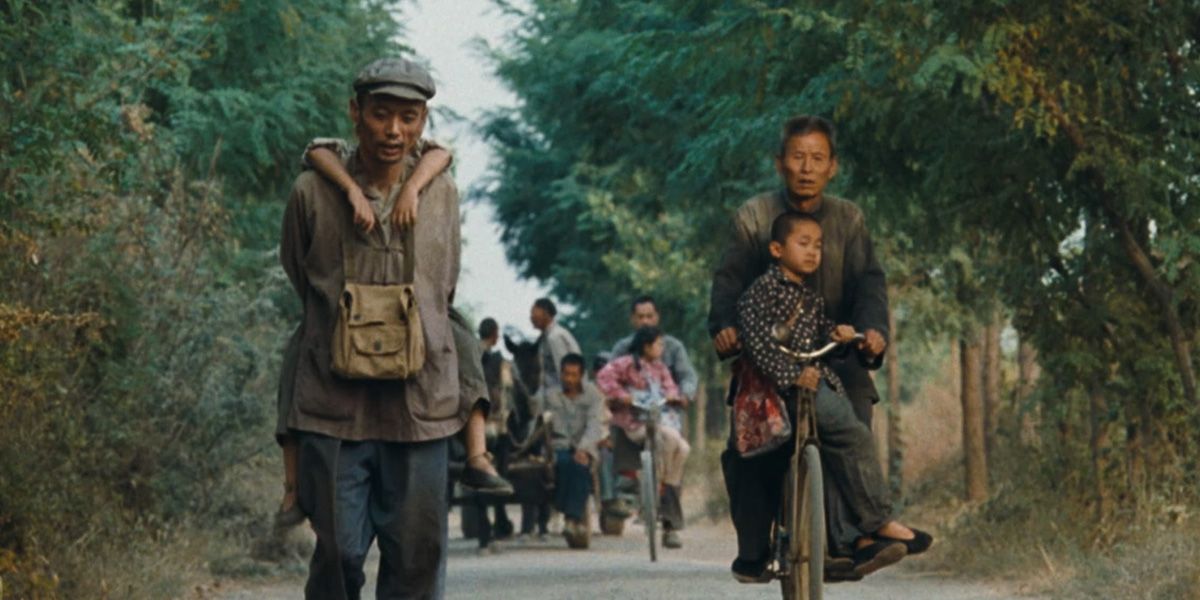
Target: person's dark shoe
617 508
502 530
839 569
745 571
671 539
484 482
876 556
920 542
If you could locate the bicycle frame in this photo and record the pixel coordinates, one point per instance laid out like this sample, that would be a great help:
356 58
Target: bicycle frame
800 554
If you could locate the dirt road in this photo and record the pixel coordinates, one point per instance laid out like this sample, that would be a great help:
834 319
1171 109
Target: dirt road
620 568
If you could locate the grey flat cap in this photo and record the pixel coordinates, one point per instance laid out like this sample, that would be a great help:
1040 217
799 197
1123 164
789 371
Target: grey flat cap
395 77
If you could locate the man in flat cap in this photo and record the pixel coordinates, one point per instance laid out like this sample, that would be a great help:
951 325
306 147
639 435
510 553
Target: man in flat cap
372 453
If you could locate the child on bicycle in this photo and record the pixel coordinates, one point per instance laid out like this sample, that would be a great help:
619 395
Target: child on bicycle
780 308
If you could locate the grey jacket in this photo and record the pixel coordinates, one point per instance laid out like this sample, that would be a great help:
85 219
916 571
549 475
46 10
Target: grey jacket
316 224
675 356
577 422
554 343
850 280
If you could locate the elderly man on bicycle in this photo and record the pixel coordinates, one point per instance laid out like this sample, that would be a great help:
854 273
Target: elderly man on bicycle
852 287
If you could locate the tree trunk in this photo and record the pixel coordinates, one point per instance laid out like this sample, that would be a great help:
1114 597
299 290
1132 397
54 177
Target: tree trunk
717 417
895 446
991 381
1029 371
1099 445
880 422
974 453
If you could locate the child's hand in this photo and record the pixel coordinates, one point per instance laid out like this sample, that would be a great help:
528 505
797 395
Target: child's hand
809 378
843 333
364 216
405 212
681 402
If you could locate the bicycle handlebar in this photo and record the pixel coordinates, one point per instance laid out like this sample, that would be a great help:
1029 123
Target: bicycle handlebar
818 353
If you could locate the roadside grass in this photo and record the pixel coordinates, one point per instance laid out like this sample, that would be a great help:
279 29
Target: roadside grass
705 496
1035 537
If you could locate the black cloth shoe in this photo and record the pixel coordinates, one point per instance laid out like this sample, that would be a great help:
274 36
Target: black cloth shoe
746 571
921 541
876 556
484 482
839 569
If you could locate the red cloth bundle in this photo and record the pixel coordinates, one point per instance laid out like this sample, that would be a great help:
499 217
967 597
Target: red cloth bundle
761 421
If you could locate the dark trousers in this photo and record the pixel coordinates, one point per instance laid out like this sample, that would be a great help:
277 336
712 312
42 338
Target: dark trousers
355 492
572 485
501 527
855 492
626 456
535 516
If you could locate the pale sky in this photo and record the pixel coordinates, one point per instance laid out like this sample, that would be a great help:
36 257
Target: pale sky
441 32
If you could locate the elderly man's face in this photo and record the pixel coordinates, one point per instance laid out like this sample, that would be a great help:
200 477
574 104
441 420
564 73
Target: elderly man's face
807 165
388 127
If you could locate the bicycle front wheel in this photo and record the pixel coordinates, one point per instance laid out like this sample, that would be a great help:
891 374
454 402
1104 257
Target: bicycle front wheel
805 514
649 495
814 513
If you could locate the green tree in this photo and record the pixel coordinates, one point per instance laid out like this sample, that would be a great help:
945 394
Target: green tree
145 144
1030 155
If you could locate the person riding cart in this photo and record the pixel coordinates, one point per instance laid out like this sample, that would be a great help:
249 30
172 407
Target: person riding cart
576 412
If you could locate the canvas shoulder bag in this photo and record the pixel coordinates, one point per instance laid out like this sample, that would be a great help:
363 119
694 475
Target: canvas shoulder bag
378 334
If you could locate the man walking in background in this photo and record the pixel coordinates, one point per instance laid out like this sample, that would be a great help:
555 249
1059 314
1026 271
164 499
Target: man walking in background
555 343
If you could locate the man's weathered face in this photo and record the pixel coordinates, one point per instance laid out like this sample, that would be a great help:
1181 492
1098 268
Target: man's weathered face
539 317
571 376
644 314
388 127
807 165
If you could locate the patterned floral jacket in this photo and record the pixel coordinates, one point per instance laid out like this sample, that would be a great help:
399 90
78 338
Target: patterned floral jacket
624 376
774 300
